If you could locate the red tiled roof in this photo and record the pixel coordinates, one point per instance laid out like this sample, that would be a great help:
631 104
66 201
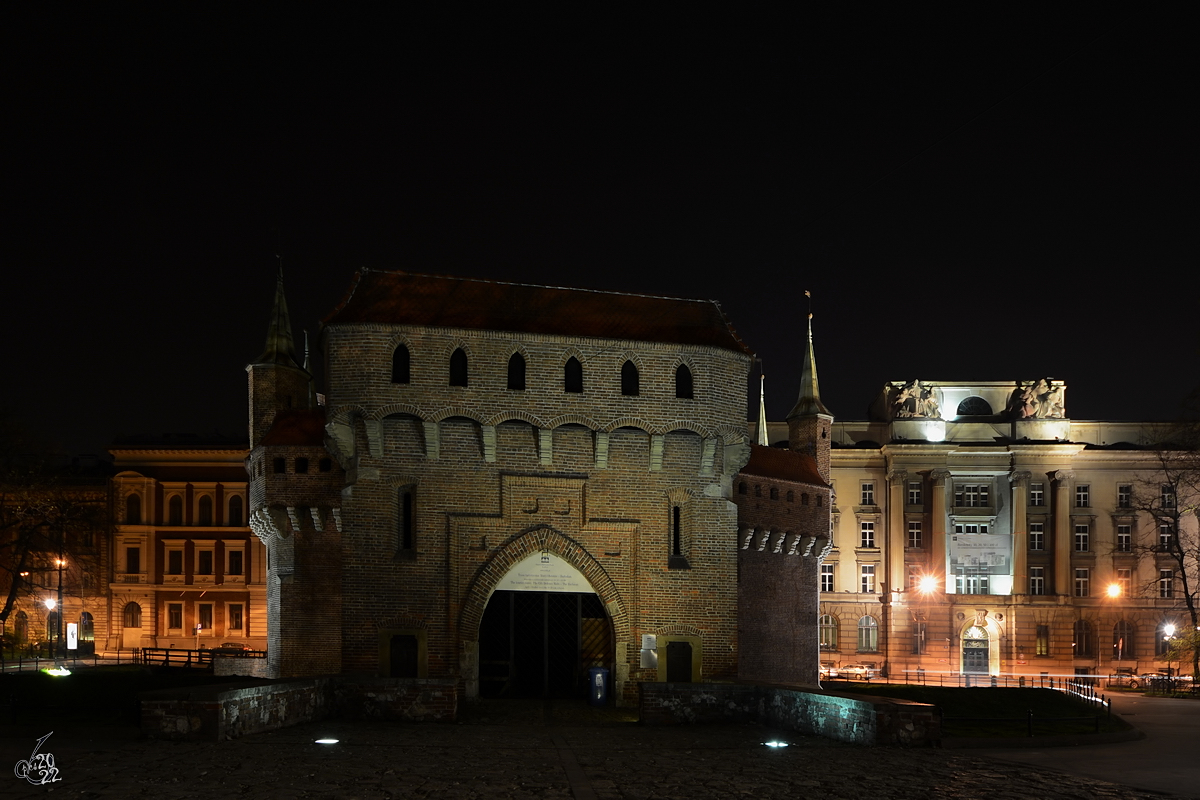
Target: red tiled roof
784 465
298 428
404 298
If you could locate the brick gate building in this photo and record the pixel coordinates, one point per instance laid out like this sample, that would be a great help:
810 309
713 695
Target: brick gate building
510 484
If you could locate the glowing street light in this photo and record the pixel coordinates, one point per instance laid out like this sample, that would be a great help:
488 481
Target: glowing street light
1114 590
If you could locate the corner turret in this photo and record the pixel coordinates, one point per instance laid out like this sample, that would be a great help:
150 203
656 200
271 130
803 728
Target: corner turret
809 421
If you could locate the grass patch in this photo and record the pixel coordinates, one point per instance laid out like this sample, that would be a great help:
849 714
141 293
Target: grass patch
1001 711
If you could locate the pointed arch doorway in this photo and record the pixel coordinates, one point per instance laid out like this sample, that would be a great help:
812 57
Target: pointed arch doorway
543 628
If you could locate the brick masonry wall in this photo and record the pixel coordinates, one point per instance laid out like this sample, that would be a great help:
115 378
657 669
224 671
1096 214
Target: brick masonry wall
780 542
488 481
219 713
843 717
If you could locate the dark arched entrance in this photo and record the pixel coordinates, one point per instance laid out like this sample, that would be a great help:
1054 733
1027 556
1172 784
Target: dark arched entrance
542 644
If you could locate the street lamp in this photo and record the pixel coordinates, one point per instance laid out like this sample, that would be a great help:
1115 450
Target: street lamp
60 649
1168 635
51 603
926 585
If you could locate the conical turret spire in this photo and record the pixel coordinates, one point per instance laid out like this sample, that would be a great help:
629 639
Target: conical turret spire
762 412
809 401
280 347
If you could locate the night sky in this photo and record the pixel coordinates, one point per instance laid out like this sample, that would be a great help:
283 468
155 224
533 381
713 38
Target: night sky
967 198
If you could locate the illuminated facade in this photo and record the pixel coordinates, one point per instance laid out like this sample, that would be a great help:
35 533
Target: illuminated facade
509 485
1024 522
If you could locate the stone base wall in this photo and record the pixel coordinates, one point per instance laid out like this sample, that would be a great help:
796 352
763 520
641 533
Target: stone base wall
228 712
241 666
844 717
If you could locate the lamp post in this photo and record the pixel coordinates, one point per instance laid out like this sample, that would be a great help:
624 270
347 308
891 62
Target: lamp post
1168 635
51 603
60 648
926 586
1114 592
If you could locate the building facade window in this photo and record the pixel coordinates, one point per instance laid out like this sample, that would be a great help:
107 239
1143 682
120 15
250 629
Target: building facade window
1083 582
404 518
1167 497
1042 641
827 577
1037 580
1124 495
827 631
175 561
1082 538
458 368
866 535
1166 583
971 528
204 617
1165 537
175 616
400 364
972 495
914 534
914 493
1084 638
131 616
774 492
516 372
175 510
868 635
235 512
279 466
914 576
630 383
133 510
1124 640
301 466
867 494
1083 496
1124 538
133 560
204 511
683 383
234 615
234 562
1037 494
204 562
1037 536
867 578
573 376
1125 580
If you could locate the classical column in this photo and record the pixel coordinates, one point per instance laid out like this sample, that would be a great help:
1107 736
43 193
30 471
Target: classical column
1020 529
897 578
937 527
1062 531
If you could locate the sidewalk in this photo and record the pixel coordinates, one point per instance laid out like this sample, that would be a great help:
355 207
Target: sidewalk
528 750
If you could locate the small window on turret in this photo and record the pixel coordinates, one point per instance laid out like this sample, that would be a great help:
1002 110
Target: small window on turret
301 466
325 465
458 368
400 364
280 466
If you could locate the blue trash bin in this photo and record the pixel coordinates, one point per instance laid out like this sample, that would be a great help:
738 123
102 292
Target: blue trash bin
598 686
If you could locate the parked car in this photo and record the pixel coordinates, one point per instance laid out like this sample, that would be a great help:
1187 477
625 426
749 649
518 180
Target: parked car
861 671
230 649
828 671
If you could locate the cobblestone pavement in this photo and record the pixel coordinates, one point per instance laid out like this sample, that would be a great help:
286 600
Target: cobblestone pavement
528 752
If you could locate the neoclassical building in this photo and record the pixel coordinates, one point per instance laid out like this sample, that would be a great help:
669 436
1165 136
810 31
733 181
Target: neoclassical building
510 485
978 529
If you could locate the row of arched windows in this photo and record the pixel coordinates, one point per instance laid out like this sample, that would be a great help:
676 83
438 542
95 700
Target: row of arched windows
573 379
1124 640
773 493
204 510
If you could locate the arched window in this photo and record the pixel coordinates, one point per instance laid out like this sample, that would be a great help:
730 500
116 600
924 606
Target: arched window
974 406
175 510
803 499
774 492
1084 638
235 511
676 532
868 635
791 496
516 372
629 378
458 368
827 628
1124 637
819 501
133 510
757 490
573 376
400 364
404 532
131 617
683 382
205 509
741 487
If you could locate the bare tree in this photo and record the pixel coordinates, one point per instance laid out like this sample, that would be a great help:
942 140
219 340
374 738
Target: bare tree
1171 498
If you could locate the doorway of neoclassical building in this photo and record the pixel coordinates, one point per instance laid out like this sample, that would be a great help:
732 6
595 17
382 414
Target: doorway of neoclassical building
543 628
